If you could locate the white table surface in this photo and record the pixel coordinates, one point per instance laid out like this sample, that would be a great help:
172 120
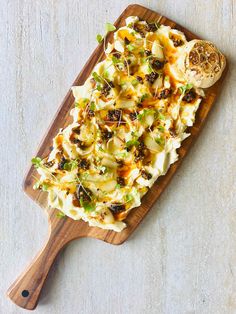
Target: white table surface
182 258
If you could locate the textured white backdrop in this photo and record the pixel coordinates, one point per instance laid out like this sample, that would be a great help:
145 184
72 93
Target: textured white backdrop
182 258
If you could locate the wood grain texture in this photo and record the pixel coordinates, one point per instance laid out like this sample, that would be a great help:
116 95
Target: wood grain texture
182 261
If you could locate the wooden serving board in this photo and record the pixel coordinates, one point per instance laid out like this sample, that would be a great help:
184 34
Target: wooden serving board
26 289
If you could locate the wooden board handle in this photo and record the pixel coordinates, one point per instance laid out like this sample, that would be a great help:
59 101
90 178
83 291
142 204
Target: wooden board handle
25 291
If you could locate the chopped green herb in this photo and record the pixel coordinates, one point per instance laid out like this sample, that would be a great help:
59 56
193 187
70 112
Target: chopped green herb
101 149
141 52
99 87
150 69
99 38
106 74
85 100
128 198
161 128
186 87
109 27
82 103
97 77
122 155
130 47
142 60
134 82
71 165
36 161
115 60
144 96
92 106
60 215
88 207
140 116
45 186
161 116
117 186
132 143
160 141
134 134
146 112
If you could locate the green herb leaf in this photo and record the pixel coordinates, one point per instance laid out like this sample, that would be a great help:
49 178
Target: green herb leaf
140 116
186 87
122 155
92 106
161 128
130 47
132 143
60 215
115 60
144 96
45 187
99 87
134 82
143 60
88 207
144 113
122 83
71 165
117 186
161 116
109 27
150 69
85 100
97 77
106 74
99 38
128 198
141 52
36 161
160 141
101 149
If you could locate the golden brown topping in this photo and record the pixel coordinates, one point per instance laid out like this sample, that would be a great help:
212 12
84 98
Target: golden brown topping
176 41
62 163
151 77
82 192
165 93
146 175
114 115
84 164
189 95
